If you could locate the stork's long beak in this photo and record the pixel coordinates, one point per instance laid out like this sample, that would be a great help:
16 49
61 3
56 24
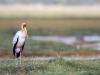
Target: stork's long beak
26 32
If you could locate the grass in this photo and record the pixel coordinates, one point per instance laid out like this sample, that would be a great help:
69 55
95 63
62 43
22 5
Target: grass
59 66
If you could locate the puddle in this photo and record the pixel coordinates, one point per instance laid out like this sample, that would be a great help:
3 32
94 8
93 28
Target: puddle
93 38
66 40
93 41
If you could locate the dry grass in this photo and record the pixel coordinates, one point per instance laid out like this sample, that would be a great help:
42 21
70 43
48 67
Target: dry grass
69 53
55 24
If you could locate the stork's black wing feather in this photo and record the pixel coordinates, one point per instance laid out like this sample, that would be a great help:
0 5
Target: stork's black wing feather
14 47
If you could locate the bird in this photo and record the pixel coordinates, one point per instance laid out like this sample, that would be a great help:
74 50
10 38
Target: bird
18 42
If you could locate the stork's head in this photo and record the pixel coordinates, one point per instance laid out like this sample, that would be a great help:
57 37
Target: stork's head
23 27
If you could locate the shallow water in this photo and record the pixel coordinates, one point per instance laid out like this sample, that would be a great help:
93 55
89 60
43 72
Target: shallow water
93 41
66 40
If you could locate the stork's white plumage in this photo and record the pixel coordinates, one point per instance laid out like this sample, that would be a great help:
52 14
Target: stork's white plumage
19 42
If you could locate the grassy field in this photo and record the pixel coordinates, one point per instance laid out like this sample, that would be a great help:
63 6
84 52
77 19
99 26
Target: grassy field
58 66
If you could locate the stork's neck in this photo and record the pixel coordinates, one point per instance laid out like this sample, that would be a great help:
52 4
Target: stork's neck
23 31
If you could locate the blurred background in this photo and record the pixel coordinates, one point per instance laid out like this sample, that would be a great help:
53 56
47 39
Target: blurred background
56 27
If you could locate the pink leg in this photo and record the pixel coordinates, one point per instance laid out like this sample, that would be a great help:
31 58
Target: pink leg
20 55
16 58
20 51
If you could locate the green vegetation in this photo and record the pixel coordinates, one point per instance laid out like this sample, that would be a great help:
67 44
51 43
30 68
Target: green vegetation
64 32
58 66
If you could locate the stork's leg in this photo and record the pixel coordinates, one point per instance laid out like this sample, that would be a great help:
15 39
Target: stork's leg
16 59
20 56
20 59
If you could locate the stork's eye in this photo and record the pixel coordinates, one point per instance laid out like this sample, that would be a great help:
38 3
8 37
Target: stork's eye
24 25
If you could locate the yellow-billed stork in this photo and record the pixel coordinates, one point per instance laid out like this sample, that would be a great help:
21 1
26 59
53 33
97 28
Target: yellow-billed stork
19 42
